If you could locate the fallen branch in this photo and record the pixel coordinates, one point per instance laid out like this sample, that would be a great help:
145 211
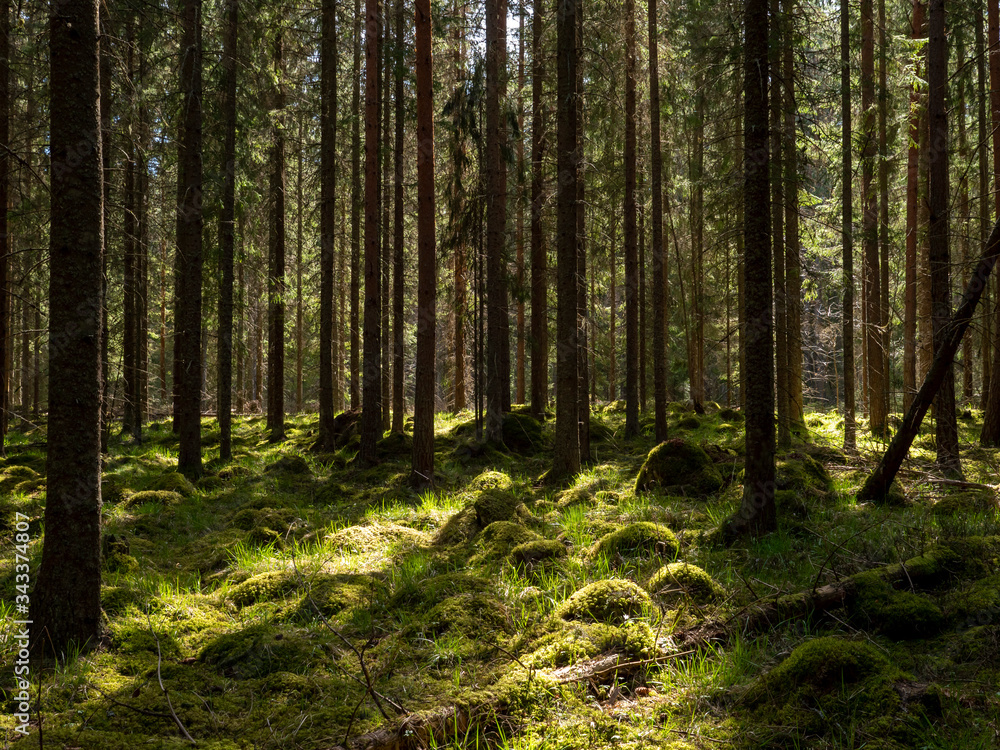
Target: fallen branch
163 689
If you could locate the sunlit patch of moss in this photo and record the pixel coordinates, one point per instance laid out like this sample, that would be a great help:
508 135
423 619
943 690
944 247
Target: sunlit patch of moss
161 498
538 552
641 539
569 642
680 580
679 467
174 481
608 601
259 650
290 464
377 536
474 615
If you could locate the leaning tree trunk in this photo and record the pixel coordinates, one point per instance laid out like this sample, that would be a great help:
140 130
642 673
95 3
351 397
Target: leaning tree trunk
423 402
66 601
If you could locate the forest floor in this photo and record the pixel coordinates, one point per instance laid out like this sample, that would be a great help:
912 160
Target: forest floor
290 599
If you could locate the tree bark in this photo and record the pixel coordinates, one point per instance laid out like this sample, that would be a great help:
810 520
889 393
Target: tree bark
276 287
847 227
227 226
539 252
387 340
566 459
519 393
398 363
5 110
631 238
328 349
793 279
582 318
990 435
423 402
912 188
65 605
371 403
756 514
356 210
778 232
187 337
656 217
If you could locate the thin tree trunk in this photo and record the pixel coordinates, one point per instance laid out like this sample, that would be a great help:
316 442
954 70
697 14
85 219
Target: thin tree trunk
227 232
990 435
371 404
423 403
105 111
398 402
778 233
328 336
847 227
539 252
793 280
299 337
356 210
631 255
130 239
5 110
883 211
985 352
276 262
659 301
386 165
519 393
912 188
965 218
582 318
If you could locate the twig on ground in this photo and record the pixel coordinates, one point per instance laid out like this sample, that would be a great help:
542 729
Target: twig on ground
163 689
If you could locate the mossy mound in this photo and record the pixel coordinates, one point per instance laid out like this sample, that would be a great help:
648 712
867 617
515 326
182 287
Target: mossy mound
163 498
680 580
114 489
679 467
614 407
570 642
424 592
803 474
290 464
965 503
260 650
234 471
492 480
500 537
574 496
609 601
537 552
522 433
689 423
495 505
474 615
460 528
263 525
973 604
377 536
731 415
641 539
116 599
269 586
341 593
897 614
208 483
12 476
30 486
174 481
395 445
599 431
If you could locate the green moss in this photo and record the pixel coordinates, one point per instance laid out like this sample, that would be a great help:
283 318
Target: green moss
208 483
898 614
731 415
500 537
116 599
641 539
260 650
290 464
574 496
116 554
30 486
537 552
460 528
377 536
163 498
114 489
263 525
608 601
269 586
972 603
966 503
803 474
681 580
174 481
495 505
234 471
679 467
522 433
397 444
599 431
826 663
420 593
476 616
569 642
492 480
12 476
614 407
334 594
689 423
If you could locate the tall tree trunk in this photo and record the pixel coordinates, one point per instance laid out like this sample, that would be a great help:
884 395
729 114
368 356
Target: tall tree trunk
328 339
398 363
883 211
386 165
756 514
539 252
423 403
227 222
5 110
356 210
847 226
66 601
519 362
912 187
965 218
793 280
778 232
874 356
187 325
990 435
939 256
105 110
497 325
371 403
130 240
659 296
631 250
298 268
276 261
698 252
582 318
984 187
566 459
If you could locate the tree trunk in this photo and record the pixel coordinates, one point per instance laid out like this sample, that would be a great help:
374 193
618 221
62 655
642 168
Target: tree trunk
582 318
356 209
847 227
398 363
276 262
371 403
757 512
793 280
631 250
912 187
539 252
519 362
984 187
298 269
227 232
130 240
387 341
990 435
883 213
187 325
659 301
939 255
965 218
5 110
423 403
66 601
778 233
497 325
566 459
328 349
105 110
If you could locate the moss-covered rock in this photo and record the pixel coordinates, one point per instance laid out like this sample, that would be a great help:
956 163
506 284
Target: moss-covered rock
163 498
260 650
680 580
897 614
377 536
522 433
731 415
600 432
537 552
476 616
640 539
116 599
500 537
965 503
574 496
290 464
679 467
116 554
30 486
12 476
396 444
572 641
269 586
174 481
609 601
114 489
801 473
495 505
263 525
689 423
492 480
234 471
614 407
